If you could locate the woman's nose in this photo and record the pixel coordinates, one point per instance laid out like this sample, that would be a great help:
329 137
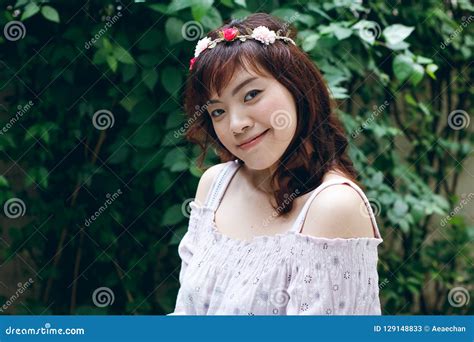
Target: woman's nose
240 122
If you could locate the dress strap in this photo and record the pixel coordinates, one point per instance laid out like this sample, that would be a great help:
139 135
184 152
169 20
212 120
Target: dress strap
220 183
298 225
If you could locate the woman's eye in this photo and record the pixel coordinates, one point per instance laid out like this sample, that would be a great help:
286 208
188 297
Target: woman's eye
252 92
215 113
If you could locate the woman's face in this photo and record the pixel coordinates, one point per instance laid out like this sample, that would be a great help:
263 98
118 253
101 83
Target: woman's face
250 105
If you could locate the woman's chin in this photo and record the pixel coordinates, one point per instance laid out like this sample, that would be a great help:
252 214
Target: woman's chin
257 162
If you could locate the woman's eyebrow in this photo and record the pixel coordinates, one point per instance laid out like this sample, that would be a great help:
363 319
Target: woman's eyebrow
236 89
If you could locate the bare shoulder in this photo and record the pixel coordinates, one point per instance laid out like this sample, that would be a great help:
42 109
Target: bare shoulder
338 211
205 182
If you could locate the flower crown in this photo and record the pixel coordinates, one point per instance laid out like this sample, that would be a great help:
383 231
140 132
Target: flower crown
261 33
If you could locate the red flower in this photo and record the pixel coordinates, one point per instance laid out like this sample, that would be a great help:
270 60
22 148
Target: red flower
191 63
230 33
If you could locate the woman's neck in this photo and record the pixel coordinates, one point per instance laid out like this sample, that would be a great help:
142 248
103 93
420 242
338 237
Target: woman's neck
259 180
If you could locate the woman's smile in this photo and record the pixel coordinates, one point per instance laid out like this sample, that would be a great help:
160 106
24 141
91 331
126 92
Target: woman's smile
254 141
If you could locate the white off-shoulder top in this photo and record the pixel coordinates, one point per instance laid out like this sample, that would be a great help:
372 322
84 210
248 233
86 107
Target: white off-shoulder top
283 274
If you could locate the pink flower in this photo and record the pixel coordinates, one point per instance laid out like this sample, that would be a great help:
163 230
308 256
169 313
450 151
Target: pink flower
264 35
201 45
230 33
191 63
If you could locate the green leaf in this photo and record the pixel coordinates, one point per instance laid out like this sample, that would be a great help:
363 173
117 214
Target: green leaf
3 182
177 5
128 72
339 93
163 182
285 13
145 136
142 111
212 20
50 13
37 175
176 239
342 32
417 74
119 154
240 14
338 30
176 160
128 102
402 67
147 160
112 62
152 40
123 55
173 215
399 46
377 179
171 79
148 59
100 57
241 3
431 69
200 9
315 8
404 226
107 45
423 60
173 28
149 77
309 43
396 33
400 208
30 10
162 8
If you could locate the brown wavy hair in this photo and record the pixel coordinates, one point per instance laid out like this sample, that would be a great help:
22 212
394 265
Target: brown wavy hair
319 144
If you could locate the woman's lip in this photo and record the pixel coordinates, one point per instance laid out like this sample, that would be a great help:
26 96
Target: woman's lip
253 142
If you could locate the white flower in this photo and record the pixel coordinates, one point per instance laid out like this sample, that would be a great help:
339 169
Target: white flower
201 46
264 35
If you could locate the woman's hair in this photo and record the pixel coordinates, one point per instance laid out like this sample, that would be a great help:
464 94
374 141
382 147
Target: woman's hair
319 143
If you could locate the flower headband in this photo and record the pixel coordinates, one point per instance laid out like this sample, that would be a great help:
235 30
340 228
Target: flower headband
261 33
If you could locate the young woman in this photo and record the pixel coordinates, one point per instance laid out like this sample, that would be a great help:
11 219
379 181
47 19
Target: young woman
280 227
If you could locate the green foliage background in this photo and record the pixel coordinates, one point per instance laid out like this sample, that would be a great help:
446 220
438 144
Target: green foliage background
385 63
